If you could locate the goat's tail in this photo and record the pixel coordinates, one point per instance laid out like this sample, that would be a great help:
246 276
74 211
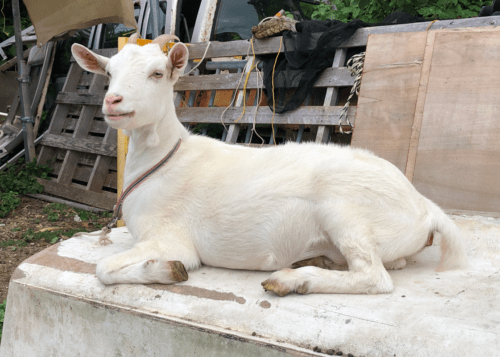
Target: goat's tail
453 255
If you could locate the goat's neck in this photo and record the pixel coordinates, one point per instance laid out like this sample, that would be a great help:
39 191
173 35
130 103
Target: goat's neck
142 157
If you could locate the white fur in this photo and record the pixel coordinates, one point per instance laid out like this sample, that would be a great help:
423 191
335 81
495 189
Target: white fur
257 208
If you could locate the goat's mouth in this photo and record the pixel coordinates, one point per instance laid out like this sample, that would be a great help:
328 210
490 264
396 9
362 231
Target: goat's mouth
119 116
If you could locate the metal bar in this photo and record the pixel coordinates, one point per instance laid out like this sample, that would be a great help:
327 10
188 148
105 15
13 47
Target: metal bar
155 14
27 118
186 27
145 24
43 73
248 134
97 37
66 202
211 66
213 92
307 102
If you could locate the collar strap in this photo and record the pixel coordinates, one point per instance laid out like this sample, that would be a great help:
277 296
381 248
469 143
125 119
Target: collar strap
141 179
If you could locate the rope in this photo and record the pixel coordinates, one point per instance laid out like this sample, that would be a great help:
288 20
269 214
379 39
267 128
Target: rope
272 80
234 94
103 233
201 61
246 82
355 66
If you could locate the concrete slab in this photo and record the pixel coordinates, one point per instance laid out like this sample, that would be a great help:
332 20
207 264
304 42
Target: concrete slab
57 307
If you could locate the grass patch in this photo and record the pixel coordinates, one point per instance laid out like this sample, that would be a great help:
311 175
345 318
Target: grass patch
2 315
49 236
19 179
13 242
55 210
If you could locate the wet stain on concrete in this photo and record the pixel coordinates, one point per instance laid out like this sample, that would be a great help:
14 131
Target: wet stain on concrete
199 292
265 304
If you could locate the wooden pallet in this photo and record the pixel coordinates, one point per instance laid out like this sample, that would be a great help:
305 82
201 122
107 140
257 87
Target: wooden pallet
79 145
196 96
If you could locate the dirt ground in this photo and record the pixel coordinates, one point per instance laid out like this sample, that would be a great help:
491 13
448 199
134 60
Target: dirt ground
14 249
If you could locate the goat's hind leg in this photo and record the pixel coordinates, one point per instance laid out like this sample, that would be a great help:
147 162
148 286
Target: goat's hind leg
366 274
143 264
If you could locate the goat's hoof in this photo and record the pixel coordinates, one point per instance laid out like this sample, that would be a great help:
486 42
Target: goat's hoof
179 272
276 287
105 241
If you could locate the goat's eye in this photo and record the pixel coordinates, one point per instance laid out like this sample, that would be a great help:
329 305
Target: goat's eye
158 74
108 74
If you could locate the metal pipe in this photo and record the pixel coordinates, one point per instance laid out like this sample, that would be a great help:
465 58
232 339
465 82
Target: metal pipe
27 117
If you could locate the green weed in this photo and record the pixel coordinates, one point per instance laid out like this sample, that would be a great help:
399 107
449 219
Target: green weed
19 179
2 315
55 210
376 10
49 236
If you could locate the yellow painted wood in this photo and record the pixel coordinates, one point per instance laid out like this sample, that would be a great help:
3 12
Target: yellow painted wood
122 139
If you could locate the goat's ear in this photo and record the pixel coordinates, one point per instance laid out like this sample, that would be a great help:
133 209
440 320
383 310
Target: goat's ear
88 60
177 60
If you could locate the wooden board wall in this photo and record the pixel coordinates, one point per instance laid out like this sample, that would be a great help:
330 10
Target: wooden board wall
458 157
389 88
438 121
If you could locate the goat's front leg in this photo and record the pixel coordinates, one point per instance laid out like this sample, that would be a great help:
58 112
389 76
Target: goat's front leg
148 262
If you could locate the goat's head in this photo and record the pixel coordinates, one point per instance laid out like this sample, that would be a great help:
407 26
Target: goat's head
141 80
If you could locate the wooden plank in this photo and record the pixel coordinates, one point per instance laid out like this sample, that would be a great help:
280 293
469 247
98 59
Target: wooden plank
13 61
86 159
76 193
332 95
331 77
388 95
303 115
80 98
360 37
81 145
61 111
458 157
81 131
419 107
96 126
101 167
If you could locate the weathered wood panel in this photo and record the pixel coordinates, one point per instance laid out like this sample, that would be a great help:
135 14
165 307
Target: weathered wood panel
302 115
388 95
458 158
80 145
331 77
79 98
78 193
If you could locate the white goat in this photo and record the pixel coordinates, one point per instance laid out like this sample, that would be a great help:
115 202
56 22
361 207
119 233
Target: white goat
254 208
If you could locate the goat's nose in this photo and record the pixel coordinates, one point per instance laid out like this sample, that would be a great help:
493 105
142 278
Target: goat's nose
113 99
